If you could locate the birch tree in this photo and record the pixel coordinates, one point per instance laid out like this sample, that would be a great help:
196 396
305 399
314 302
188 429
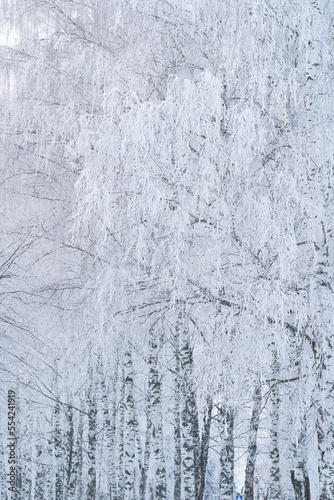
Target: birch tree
163 156
252 443
129 448
226 418
157 428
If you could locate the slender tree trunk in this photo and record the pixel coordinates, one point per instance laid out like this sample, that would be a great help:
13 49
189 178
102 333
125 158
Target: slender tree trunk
275 481
252 443
188 459
50 466
129 430
59 453
40 475
109 423
70 450
147 447
26 475
187 414
120 469
226 454
299 477
139 449
74 450
19 471
78 461
18 488
92 414
204 450
112 466
155 390
195 437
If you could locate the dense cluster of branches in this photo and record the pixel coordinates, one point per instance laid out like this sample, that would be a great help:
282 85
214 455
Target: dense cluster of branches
166 261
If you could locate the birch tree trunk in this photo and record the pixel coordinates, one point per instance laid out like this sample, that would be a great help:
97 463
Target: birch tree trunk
187 414
18 486
78 486
252 443
70 451
59 453
147 447
275 481
50 467
92 414
226 419
109 423
121 432
195 436
299 477
40 474
204 451
130 436
112 466
155 390
26 490
139 449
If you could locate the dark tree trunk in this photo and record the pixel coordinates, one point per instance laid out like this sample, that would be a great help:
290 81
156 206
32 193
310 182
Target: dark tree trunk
301 486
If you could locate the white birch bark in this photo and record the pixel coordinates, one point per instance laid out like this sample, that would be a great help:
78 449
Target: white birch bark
109 423
299 477
78 462
70 473
204 449
275 480
121 432
252 443
147 447
26 490
50 467
226 421
112 466
315 155
92 431
155 390
139 448
59 453
195 436
188 445
40 474
130 437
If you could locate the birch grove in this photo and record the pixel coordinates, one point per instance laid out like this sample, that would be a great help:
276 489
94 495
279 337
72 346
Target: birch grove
166 249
